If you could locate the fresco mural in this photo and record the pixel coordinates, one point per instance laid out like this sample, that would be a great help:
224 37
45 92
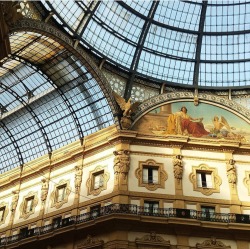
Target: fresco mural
185 119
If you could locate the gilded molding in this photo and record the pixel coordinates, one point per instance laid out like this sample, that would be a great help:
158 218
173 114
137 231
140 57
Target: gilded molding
54 202
162 174
215 178
23 206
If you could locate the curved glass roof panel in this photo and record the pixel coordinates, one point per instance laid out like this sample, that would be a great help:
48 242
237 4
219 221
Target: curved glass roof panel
145 37
226 48
48 99
177 14
141 7
227 16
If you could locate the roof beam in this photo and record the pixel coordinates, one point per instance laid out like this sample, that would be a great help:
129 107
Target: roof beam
139 47
199 43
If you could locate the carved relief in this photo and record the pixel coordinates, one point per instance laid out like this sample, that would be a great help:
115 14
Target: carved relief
151 185
212 243
231 172
28 205
60 194
44 190
178 167
78 178
103 175
247 181
216 180
152 241
90 242
14 201
121 163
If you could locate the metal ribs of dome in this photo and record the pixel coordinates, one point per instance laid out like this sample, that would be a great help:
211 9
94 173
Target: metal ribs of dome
48 98
196 44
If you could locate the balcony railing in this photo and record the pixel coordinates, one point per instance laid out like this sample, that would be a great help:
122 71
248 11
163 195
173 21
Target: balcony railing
132 210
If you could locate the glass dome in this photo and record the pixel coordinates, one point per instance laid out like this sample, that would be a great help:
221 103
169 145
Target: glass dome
199 44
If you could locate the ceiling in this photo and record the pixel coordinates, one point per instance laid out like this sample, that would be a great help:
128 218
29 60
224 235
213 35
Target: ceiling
200 44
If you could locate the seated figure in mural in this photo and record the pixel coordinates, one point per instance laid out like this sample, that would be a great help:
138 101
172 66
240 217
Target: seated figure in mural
181 123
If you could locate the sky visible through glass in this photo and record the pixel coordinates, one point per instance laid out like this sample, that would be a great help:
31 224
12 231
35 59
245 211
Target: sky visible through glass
168 52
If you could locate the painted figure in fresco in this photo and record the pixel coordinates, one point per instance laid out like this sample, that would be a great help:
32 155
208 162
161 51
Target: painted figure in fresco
182 124
219 124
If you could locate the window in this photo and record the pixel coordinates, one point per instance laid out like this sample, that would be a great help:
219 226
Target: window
56 222
207 213
23 232
2 213
150 175
95 211
98 180
151 207
61 193
29 204
204 179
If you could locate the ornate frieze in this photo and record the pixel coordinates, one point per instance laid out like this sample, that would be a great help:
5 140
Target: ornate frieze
151 241
212 244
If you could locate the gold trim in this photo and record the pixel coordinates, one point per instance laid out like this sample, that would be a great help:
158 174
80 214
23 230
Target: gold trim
54 202
162 174
214 175
24 213
90 181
